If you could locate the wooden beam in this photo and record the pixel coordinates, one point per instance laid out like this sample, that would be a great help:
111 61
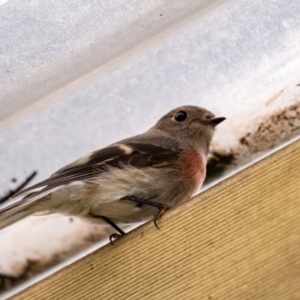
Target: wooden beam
238 240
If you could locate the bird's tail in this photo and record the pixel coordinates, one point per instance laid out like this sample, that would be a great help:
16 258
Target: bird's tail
27 206
13 213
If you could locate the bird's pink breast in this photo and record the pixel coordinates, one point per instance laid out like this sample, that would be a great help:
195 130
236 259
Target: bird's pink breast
194 170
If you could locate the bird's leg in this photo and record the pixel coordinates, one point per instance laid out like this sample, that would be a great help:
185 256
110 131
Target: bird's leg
162 208
113 236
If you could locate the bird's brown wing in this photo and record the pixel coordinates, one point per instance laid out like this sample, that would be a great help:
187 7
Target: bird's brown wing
119 155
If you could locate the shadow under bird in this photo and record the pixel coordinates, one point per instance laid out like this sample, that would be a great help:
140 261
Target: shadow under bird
130 181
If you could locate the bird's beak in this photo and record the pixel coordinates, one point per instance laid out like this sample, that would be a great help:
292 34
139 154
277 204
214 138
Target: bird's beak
215 121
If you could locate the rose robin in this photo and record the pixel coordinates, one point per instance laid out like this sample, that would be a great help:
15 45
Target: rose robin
130 181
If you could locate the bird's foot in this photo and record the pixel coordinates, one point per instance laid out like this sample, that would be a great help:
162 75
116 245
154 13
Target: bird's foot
162 208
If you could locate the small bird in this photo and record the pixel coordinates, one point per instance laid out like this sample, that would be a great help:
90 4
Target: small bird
133 180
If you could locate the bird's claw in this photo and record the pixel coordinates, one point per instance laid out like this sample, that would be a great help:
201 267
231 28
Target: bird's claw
114 237
162 210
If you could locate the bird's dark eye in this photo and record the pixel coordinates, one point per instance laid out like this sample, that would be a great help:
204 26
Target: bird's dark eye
208 117
180 116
